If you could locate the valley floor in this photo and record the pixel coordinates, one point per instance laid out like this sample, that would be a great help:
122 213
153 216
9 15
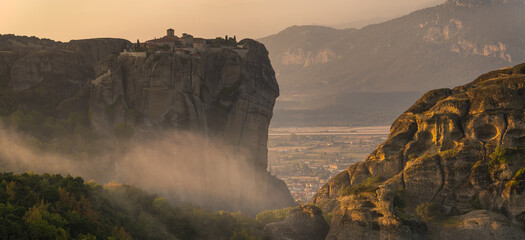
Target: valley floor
307 157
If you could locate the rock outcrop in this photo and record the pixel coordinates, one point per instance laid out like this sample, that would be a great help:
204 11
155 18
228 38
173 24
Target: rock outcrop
302 223
219 93
454 153
478 224
223 94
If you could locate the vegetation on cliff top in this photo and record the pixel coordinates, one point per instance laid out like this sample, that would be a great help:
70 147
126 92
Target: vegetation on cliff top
270 216
370 185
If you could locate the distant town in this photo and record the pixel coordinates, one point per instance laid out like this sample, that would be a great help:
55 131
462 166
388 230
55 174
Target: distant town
306 158
184 45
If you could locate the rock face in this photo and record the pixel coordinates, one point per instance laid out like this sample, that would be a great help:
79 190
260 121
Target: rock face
223 94
475 3
302 223
29 62
217 93
453 152
478 224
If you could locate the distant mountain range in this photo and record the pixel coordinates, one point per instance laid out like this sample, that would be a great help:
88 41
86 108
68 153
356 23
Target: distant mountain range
369 75
359 23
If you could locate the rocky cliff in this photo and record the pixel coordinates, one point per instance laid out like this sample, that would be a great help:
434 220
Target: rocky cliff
222 94
27 62
225 94
453 166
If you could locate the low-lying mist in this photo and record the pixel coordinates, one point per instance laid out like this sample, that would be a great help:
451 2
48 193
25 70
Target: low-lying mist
181 166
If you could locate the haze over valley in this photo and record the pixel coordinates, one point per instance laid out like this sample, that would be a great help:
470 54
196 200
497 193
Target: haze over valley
344 119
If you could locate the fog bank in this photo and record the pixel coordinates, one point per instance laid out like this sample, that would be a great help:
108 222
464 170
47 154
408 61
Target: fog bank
181 166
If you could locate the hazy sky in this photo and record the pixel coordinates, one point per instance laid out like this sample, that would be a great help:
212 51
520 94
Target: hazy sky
132 19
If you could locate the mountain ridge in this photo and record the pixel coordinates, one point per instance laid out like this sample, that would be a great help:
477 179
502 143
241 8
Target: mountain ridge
423 50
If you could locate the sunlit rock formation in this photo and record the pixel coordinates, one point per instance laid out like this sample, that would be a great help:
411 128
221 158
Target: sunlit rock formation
452 167
302 223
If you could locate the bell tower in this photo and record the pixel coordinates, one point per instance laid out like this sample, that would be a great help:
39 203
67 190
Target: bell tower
171 32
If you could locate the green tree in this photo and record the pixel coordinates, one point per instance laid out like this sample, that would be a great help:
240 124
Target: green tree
9 224
269 216
44 225
243 235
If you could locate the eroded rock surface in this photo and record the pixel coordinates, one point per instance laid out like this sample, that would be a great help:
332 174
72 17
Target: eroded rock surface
453 152
478 224
302 223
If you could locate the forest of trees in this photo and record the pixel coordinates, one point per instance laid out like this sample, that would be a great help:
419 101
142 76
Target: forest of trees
55 207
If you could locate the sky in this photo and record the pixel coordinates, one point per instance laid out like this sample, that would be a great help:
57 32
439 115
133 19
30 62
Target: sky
64 20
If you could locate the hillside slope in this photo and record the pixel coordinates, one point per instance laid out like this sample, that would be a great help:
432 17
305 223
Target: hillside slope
453 166
441 46
55 207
